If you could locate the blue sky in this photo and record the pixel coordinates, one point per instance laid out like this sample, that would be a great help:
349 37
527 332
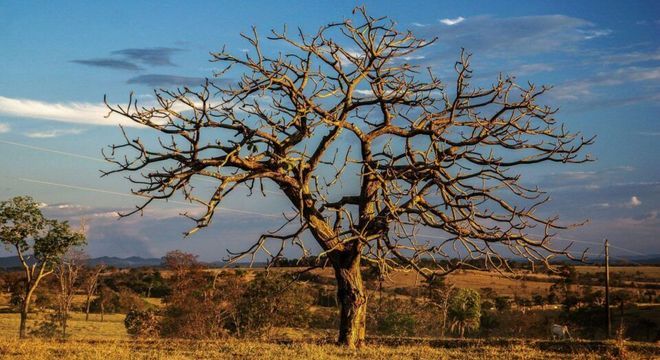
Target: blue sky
59 58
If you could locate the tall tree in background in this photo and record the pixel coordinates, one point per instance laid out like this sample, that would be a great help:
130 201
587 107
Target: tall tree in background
39 244
68 272
380 160
90 285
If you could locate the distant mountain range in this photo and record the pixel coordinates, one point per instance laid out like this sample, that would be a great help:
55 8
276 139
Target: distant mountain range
129 262
9 262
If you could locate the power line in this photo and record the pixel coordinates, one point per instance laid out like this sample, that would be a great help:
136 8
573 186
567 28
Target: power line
53 151
59 152
135 195
65 153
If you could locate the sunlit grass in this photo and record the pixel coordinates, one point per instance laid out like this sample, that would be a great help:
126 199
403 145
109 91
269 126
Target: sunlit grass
112 328
108 340
250 349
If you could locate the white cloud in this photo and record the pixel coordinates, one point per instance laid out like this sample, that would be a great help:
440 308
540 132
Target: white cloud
53 133
354 56
601 205
592 34
415 57
70 112
640 73
632 57
509 37
584 88
451 22
4 128
364 92
527 69
69 206
634 202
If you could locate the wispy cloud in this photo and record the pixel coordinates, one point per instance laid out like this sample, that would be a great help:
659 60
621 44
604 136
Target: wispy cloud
154 80
45 134
632 57
580 90
451 22
592 34
128 59
511 36
108 63
527 69
69 112
4 128
155 56
584 179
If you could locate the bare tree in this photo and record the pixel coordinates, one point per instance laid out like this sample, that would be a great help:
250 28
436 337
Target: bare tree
369 150
39 244
106 295
90 285
68 272
439 296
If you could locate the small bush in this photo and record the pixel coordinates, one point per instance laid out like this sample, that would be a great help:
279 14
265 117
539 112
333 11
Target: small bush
46 329
141 323
502 303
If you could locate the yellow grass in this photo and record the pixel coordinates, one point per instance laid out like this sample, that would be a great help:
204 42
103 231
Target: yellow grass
652 272
242 349
108 340
112 328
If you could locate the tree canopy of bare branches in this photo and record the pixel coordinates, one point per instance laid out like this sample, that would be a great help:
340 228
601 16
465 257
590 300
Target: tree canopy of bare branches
381 161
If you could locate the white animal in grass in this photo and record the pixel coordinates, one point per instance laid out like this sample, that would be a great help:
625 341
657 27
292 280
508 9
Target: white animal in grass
560 332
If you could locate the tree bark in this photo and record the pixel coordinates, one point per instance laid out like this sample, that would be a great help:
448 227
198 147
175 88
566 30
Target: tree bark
21 331
25 308
352 301
87 304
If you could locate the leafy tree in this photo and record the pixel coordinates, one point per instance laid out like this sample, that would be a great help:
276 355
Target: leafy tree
343 101
38 242
394 316
270 300
465 310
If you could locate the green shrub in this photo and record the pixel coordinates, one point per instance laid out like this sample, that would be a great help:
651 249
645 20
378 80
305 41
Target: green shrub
465 310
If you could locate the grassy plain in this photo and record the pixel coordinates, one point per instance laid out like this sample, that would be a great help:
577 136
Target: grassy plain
108 340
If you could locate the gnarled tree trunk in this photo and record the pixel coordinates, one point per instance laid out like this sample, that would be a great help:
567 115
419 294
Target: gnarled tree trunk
25 308
21 331
352 301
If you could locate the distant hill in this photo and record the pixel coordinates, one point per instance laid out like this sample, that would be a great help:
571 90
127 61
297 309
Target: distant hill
129 262
10 262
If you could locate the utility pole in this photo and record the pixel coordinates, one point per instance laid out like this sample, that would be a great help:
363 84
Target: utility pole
607 288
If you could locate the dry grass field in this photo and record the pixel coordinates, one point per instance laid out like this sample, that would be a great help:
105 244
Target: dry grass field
238 349
108 340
